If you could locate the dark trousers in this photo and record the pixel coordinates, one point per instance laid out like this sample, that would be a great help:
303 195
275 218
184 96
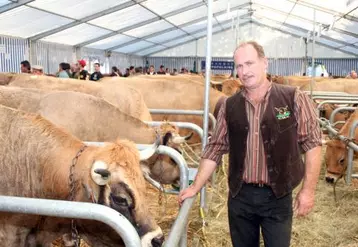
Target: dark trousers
256 207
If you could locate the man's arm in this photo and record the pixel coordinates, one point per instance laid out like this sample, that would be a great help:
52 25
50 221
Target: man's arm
212 154
310 139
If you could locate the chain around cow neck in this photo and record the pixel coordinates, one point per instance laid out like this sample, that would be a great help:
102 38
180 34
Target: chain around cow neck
71 197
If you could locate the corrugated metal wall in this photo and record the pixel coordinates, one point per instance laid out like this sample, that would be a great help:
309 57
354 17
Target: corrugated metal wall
50 55
12 52
280 66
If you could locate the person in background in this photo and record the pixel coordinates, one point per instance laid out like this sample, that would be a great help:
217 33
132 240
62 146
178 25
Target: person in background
161 70
352 75
25 67
63 70
265 128
151 70
37 70
115 71
167 72
96 75
131 70
81 72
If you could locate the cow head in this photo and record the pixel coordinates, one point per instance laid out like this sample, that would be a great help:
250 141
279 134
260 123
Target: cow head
335 158
162 168
113 177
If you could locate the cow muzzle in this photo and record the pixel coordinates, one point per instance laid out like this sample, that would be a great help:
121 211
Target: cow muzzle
153 239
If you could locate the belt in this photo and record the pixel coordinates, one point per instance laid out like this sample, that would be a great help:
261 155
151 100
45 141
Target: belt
259 185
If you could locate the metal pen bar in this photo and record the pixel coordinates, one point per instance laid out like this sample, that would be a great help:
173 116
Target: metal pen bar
326 124
351 153
69 209
180 223
340 97
187 125
317 93
319 106
334 113
183 112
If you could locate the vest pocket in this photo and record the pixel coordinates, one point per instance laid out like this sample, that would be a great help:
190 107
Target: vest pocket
286 124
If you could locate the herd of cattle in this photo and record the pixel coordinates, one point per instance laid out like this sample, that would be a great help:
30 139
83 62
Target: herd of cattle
43 124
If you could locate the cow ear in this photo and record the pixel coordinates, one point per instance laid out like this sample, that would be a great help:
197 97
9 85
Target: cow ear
99 173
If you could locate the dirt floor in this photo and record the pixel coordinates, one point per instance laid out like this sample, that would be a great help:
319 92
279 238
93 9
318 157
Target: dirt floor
329 225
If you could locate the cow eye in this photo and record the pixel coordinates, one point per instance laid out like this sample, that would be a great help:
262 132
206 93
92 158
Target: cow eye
341 161
120 201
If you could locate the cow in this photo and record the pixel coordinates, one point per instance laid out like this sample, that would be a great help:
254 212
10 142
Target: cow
167 94
336 152
37 160
126 98
296 81
93 119
340 116
334 85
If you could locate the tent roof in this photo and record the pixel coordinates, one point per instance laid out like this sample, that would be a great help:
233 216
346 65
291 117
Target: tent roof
143 27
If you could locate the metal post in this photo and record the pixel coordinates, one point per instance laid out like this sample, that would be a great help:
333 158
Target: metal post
350 153
180 223
78 210
313 44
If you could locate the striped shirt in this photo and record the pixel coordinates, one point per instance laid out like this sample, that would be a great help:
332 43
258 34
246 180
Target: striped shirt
255 167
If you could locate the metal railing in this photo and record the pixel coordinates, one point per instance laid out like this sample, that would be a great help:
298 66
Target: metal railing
341 97
326 93
185 125
334 113
349 142
351 154
184 112
319 106
69 209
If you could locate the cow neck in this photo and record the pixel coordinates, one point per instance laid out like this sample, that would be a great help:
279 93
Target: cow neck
72 178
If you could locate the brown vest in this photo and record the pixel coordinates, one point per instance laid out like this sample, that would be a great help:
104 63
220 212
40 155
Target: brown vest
279 135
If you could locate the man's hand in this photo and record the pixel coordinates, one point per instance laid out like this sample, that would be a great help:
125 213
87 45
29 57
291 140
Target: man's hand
186 193
304 203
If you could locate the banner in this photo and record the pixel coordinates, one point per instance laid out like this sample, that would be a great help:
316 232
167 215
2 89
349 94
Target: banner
219 65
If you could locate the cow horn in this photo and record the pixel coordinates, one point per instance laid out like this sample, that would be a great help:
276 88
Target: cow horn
181 139
148 152
100 173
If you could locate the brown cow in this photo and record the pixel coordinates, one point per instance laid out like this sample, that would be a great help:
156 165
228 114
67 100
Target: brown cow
336 152
35 161
166 94
93 119
126 98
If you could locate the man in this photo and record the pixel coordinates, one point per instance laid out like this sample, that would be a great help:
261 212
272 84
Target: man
151 70
263 127
352 75
161 70
25 67
37 70
81 73
97 75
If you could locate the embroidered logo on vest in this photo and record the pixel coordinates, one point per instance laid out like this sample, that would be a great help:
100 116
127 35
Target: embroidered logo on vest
283 113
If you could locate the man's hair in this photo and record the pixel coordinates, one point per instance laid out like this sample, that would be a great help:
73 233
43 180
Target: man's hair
97 64
26 64
259 49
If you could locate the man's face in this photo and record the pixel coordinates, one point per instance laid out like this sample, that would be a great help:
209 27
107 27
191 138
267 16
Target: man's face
37 72
97 68
250 68
23 69
151 69
354 75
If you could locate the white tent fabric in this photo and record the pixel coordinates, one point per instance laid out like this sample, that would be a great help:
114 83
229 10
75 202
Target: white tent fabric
142 27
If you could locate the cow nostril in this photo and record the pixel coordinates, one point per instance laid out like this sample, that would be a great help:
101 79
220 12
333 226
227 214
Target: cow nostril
157 242
329 180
